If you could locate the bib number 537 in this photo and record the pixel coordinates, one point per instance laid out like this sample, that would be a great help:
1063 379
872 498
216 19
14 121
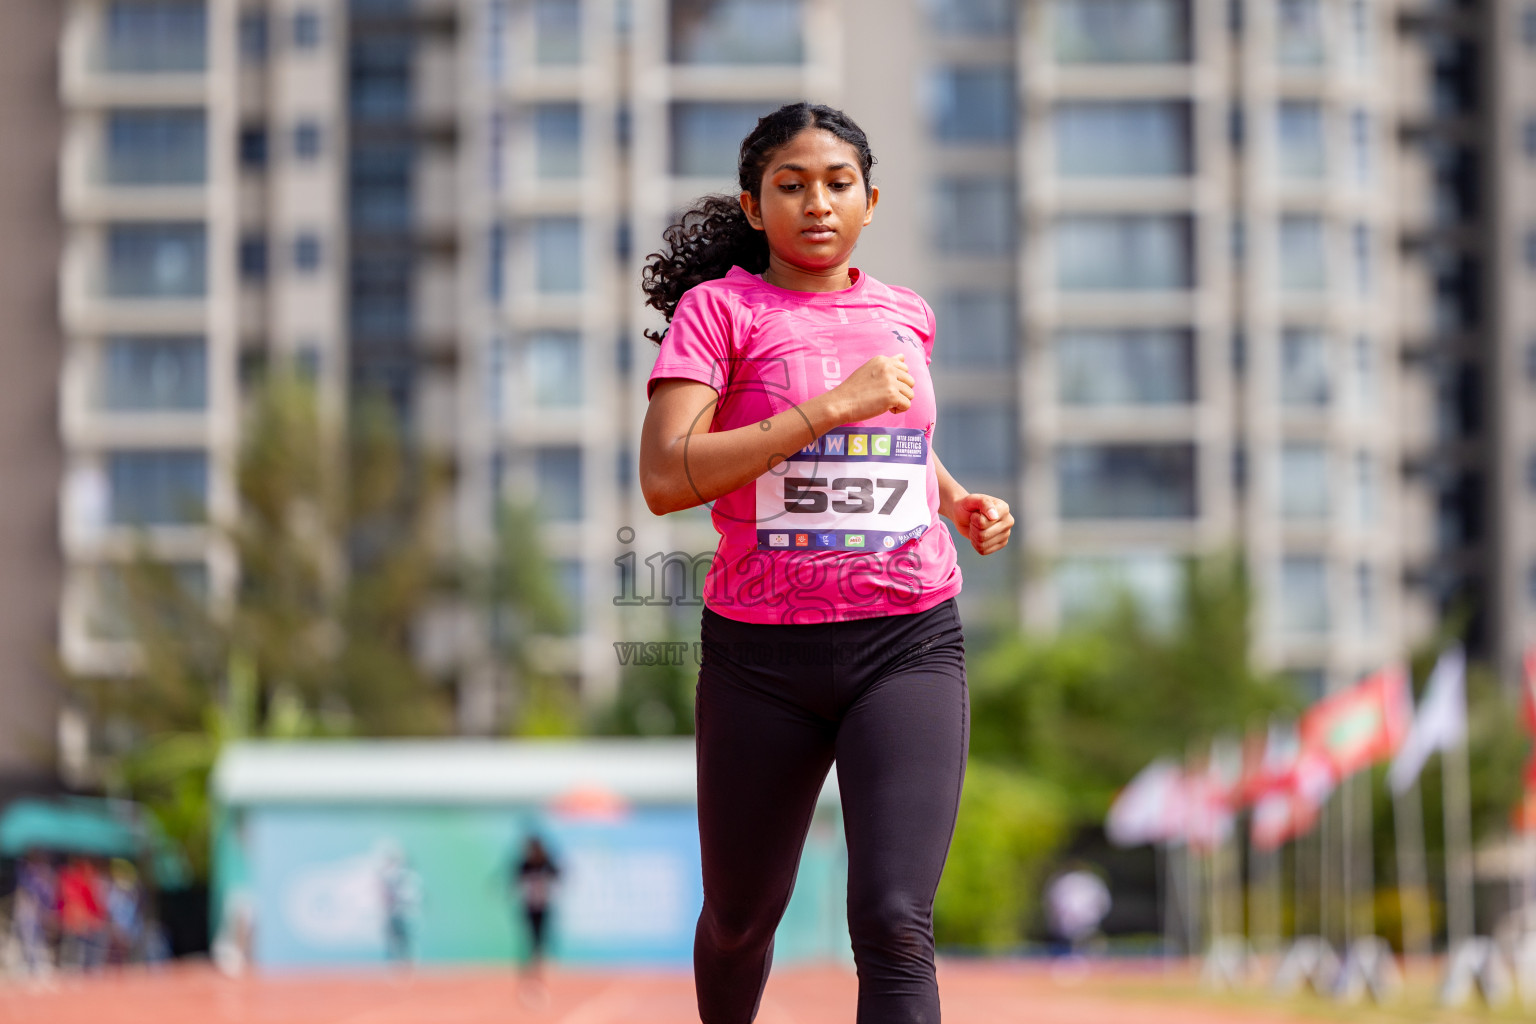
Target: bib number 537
804 494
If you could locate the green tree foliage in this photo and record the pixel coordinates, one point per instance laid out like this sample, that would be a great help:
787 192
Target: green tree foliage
333 543
1009 827
655 699
1088 708
517 590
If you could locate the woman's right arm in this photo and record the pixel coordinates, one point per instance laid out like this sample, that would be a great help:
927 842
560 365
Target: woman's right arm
683 464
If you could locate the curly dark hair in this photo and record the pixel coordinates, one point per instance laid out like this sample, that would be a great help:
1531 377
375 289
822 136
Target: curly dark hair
714 235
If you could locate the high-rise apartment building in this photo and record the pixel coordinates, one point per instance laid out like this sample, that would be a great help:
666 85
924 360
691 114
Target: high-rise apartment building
1469 237
31 454
1162 238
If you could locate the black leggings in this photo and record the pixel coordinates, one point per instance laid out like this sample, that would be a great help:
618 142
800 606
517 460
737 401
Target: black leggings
776 705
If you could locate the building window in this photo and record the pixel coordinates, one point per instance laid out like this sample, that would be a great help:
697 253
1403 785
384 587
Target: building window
380 291
1530 361
306 253
1367 383
306 140
1363 277
1361 29
554 369
156 147
1530 249
143 374
1360 136
1090 586
1099 139
557 140
736 32
1367 490
557 254
254 42
1125 252
1122 31
1302 149
1304 604
379 173
1530 577
973 104
1126 481
157 487
495 263
1305 375
1304 482
380 89
706 136
148 36
975 216
253 257
157 261
306 30
1125 367
978 440
1365 600
975 330
1528 25
972 17
253 148
557 31
1299 33
558 473
1303 254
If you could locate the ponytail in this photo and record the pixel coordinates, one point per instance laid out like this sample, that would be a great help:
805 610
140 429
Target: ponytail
714 235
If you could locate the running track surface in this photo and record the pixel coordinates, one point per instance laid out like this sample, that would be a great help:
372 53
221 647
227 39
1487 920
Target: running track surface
973 993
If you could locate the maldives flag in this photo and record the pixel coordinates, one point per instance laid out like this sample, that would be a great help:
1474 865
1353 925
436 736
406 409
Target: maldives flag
1355 728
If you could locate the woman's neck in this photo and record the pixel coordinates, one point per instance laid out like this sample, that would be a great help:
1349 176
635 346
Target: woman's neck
784 275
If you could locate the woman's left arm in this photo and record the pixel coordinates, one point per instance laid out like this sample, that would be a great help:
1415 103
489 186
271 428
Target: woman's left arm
981 518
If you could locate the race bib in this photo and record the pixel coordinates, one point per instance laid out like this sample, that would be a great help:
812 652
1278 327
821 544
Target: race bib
853 489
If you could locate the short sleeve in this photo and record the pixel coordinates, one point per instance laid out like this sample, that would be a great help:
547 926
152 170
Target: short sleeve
698 344
933 330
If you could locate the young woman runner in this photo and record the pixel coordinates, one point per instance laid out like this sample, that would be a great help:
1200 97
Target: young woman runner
792 391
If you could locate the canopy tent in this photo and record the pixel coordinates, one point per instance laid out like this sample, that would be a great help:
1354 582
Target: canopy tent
94 827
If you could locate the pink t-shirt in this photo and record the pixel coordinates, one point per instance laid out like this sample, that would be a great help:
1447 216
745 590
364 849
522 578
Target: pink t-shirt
848 527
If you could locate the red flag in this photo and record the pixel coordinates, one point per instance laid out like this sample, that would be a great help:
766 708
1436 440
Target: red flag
1524 816
1355 728
1291 809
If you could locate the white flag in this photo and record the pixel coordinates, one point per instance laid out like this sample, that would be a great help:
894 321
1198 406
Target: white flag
1441 722
1149 808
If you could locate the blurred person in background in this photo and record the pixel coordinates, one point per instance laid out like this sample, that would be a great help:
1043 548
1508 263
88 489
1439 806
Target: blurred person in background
82 914
1076 901
534 876
400 890
33 912
777 349
125 914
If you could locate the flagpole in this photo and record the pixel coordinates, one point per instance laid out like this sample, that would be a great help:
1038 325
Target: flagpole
1461 918
1412 888
1165 894
1346 864
1368 863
